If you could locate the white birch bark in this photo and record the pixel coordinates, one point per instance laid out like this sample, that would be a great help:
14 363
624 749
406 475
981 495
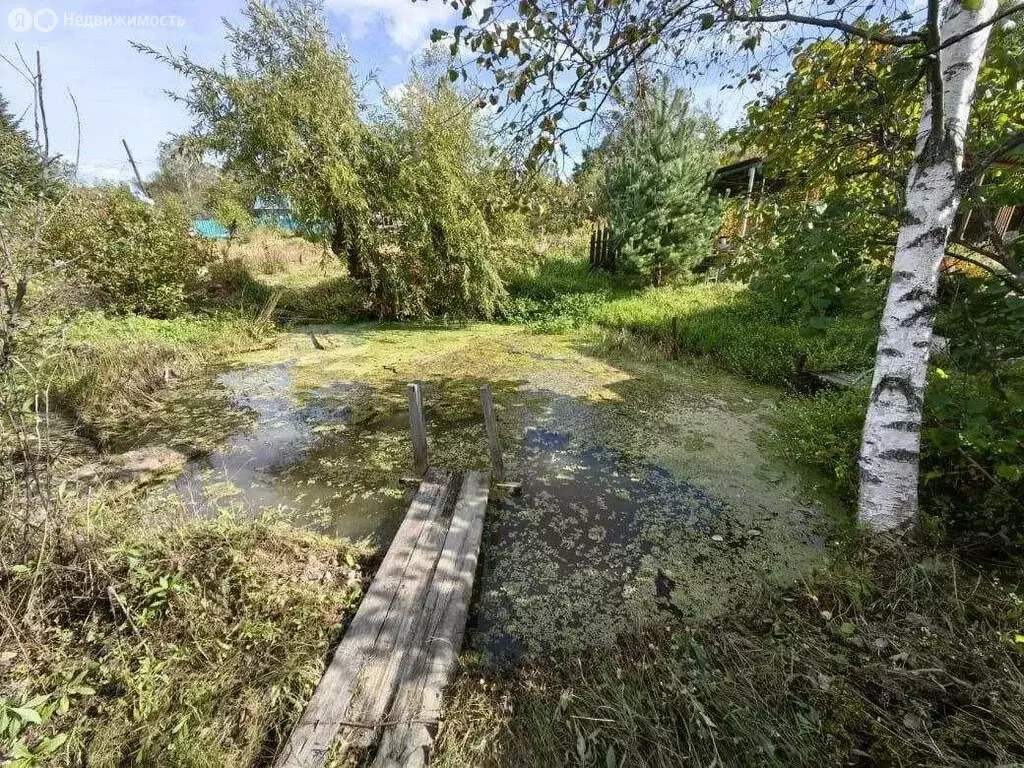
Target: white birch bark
892 430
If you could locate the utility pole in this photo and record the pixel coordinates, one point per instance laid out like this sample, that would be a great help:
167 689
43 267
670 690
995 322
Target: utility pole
135 168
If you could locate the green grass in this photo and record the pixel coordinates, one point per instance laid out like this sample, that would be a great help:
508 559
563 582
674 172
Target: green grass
110 367
723 323
720 322
211 331
891 656
561 292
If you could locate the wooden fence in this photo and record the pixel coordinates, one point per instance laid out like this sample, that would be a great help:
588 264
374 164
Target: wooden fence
604 254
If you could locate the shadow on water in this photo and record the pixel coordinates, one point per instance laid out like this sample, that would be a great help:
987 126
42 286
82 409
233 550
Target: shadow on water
645 494
599 542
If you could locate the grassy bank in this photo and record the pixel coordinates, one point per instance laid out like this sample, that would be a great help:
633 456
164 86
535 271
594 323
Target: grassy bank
136 637
890 656
719 322
109 368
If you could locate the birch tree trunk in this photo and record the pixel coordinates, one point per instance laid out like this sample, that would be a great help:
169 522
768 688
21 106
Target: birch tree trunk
890 448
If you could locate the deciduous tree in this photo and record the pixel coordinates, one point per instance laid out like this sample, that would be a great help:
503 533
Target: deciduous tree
283 112
554 64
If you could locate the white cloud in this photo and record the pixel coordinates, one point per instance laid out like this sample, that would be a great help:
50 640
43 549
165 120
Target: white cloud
408 24
103 173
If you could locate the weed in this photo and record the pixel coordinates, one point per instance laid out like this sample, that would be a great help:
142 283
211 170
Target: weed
890 656
128 641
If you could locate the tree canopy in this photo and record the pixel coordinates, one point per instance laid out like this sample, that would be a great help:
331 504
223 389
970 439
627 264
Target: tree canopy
284 113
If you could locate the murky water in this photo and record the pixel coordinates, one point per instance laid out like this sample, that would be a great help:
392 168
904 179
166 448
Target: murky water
645 492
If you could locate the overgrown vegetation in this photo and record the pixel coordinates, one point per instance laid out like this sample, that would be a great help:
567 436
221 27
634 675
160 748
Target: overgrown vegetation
135 258
133 634
890 656
143 638
436 250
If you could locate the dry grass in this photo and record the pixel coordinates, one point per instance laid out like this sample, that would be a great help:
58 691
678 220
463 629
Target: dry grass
133 642
894 656
285 260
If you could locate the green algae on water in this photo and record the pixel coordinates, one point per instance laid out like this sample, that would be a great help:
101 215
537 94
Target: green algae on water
645 491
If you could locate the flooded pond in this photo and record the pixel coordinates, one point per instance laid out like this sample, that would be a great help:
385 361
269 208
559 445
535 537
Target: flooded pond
645 491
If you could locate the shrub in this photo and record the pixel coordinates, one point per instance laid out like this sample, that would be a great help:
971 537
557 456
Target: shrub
438 254
820 261
972 451
140 259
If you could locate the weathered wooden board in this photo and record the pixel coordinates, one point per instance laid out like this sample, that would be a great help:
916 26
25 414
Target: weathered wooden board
417 704
413 607
364 667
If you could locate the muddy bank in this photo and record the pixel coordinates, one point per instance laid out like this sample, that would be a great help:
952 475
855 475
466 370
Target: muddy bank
646 492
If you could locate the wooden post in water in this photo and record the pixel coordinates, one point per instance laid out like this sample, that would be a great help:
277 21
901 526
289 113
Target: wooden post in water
417 426
493 440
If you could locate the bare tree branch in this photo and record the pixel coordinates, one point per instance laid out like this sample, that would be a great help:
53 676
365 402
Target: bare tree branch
979 168
846 28
937 133
1013 281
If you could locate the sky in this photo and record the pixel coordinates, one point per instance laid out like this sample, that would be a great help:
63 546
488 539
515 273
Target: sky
122 93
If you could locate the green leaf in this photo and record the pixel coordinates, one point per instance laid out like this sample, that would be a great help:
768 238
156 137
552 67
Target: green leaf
27 715
707 21
51 745
1010 472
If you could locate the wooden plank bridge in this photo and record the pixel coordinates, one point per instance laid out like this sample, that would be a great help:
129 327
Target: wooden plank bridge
383 687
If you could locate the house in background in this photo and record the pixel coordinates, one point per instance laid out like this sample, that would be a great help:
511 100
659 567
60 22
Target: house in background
746 179
210 229
982 225
276 214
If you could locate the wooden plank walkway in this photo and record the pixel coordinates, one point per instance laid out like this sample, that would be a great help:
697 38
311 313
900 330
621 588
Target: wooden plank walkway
385 681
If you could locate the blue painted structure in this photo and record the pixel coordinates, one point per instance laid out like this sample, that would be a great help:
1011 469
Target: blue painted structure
210 229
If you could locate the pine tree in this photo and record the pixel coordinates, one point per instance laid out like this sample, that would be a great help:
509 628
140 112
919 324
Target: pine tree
21 165
663 215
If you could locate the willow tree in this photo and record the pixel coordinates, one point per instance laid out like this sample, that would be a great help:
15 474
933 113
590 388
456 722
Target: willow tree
282 111
555 64
444 215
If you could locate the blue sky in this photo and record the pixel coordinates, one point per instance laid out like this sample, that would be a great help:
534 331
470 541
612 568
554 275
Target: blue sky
120 93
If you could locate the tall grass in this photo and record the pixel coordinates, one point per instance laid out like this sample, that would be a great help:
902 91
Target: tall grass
725 324
132 637
889 657
111 367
